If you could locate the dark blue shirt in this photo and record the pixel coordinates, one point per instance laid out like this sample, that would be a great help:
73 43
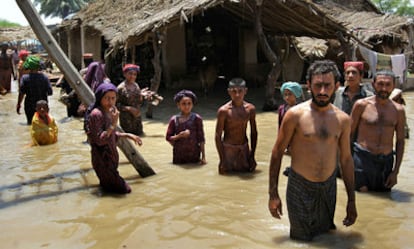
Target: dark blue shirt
36 86
343 102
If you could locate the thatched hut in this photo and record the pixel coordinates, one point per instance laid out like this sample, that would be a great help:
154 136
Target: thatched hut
191 26
173 37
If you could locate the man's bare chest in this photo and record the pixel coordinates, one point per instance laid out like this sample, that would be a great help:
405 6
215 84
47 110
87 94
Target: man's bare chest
378 117
239 114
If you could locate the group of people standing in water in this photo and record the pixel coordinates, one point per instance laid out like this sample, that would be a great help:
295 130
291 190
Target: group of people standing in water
348 127
344 131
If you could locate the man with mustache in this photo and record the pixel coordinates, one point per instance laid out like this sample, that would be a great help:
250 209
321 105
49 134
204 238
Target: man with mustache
346 96
315 132
375 119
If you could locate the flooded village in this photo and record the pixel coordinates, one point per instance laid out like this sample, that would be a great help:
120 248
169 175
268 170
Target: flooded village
50 195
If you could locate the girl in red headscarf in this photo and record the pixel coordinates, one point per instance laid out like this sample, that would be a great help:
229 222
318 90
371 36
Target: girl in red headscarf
130 99
22 71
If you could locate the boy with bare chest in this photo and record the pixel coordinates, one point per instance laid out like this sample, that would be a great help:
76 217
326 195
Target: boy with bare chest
232 119
374 121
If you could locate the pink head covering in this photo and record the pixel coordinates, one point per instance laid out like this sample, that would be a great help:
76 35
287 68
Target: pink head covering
357 64
23 53
131 67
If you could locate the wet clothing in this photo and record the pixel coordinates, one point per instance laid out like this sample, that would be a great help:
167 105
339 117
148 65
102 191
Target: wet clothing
236 158
35 87
281 112
371 170
95 75
186 150
311 206
343 102
43 133
6 70
21 71
129 96
72 101
105 155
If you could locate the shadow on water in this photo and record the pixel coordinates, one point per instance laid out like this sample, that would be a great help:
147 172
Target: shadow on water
401 196
244 175
20 200
38 182
68 119
396 195
58 178
333 239
190 166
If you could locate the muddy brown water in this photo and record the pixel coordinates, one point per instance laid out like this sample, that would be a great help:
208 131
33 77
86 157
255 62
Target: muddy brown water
49 196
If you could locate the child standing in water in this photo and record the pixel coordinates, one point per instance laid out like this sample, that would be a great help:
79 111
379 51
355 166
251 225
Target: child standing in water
231 136
100 122
43 129
291 92
185 131
130 99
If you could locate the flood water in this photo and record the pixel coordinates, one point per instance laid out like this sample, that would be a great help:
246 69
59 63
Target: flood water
49 196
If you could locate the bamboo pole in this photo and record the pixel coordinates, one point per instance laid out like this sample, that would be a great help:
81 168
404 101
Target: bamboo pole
75 80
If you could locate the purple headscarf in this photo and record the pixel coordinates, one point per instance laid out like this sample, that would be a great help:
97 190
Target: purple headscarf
185 93
101 90
95 75
99 93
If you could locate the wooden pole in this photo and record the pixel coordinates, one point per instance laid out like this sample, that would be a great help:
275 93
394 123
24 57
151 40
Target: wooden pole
75 80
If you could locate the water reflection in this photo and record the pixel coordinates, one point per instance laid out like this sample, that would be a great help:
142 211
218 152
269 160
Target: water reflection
49 196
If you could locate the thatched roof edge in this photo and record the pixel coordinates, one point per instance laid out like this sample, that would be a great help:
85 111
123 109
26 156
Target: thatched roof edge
145 16
17 34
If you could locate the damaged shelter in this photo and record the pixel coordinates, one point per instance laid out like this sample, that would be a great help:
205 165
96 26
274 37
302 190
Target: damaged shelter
199 43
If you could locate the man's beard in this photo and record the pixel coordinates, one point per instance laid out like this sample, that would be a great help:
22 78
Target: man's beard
323 103
383 94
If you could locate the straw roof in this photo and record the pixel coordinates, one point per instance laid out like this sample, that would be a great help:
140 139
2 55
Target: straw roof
121 19
369 26
16 34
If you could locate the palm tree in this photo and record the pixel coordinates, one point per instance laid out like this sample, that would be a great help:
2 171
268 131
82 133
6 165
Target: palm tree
59 8
399 7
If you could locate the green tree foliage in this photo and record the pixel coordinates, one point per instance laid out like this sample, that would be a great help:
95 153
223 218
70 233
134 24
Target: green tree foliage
7 24
59 8
399 7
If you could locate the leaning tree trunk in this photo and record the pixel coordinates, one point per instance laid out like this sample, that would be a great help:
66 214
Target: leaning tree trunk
345 45
270 101
157 41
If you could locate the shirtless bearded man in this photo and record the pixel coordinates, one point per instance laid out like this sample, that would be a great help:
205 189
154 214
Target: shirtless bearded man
315 131
374 121
232 120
